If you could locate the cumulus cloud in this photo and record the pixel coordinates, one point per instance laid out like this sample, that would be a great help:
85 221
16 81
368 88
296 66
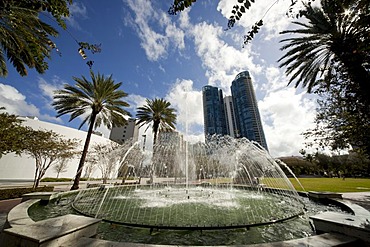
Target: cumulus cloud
188 103
286 114
154 42
48 88
273 14
16 103
135 101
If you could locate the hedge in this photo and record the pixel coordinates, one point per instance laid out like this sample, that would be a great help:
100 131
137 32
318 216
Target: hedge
10 193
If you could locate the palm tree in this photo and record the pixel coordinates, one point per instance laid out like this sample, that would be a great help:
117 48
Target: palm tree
337 33
159 113
99 101
25 40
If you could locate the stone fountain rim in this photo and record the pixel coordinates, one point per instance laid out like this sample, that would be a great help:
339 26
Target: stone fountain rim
356 209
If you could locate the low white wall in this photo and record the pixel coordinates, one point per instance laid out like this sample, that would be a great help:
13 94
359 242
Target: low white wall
14 167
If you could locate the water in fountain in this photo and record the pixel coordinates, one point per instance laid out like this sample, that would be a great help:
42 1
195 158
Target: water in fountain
222 184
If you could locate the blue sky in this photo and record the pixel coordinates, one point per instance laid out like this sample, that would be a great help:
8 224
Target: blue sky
172 57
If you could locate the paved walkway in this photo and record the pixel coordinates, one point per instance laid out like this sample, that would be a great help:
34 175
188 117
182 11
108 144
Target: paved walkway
360 198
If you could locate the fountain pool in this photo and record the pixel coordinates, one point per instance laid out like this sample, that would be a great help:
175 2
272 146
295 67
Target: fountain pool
297 227
226 188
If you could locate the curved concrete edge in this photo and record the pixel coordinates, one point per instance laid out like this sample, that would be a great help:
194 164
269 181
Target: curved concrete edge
18 216
326 239
357 210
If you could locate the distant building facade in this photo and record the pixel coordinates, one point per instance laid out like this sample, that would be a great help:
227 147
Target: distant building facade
248 118
240 111
230 116
213 111
126 132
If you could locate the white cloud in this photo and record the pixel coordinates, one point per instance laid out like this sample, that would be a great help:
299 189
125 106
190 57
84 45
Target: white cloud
76 10
286 115
188 103
48 88
221 60
285 112
16 103
155 43
272 13
135 101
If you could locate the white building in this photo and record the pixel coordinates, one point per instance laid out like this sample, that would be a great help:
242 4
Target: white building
15 167
126 132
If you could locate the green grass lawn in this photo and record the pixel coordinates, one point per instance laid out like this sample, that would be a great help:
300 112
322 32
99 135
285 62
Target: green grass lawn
332 184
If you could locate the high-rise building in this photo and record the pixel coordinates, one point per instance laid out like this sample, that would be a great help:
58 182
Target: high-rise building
126 132
230 116
248 120
214 112
236 115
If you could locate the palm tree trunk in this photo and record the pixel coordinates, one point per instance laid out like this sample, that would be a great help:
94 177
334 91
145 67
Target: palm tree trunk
76 182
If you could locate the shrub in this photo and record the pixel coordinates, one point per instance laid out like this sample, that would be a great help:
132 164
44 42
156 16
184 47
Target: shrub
10 193
56 180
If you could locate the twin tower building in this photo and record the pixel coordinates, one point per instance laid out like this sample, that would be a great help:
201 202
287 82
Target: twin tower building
236 115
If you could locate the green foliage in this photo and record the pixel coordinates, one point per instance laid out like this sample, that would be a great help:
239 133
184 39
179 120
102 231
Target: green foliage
159 113
342 121
25 39
299 166
101 95
12 134
332 34
330 56
350 165
56 180
100 100
47 147
10 193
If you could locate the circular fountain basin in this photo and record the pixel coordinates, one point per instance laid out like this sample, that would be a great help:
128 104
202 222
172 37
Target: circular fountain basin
298 227
188 208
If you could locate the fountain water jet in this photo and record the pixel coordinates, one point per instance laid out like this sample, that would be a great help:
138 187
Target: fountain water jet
242 192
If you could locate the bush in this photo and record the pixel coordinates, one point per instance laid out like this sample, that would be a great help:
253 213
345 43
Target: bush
56 180
10 193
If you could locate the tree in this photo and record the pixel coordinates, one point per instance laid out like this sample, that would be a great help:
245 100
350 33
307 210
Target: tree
12 134
26 39
116 160
61 166
100 100
90 166
47 148
342 121
337 33
158 113
105 160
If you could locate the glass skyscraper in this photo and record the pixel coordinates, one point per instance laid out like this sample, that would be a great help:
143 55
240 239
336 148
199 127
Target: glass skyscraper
236 115
248 120
213 111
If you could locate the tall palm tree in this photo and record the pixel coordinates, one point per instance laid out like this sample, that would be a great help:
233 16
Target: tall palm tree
337 33
159 113
99 101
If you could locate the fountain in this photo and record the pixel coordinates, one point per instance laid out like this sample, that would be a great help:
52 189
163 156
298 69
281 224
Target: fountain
223 192
225 183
